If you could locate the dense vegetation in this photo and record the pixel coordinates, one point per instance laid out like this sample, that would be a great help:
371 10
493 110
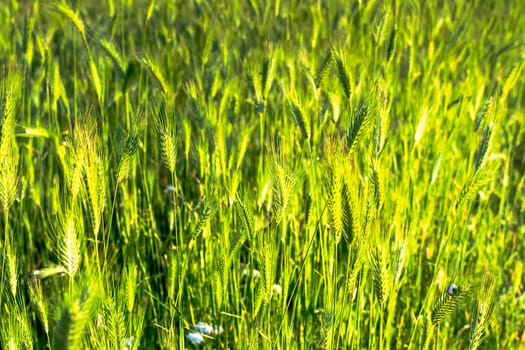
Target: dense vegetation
262 174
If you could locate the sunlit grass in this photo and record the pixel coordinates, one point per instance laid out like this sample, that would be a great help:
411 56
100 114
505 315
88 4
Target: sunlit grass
249 174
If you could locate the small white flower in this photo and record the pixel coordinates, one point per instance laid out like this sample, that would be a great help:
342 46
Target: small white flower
129 343
207 329
195 338
255 273
203 328
452 289
277 289
169 189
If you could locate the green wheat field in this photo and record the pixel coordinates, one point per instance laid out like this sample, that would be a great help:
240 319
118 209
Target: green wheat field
248 174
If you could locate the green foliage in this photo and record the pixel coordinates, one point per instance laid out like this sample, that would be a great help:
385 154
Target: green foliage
250 174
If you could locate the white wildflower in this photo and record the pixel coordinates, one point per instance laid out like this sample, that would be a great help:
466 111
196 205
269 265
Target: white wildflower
254 273
452 288
169 189
129 342
277 289
203 328
195 338
207 329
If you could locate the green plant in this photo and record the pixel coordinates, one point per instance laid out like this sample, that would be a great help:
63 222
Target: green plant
250 174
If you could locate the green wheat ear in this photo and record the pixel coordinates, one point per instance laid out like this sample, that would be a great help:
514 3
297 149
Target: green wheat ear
129 149
10 96
391 44
88 154
220 277
38 300
15 329
12 266
129 286
284 183
343 74
381 274
69 241
267 73
483 146
486 134
327 329
324 69
96 180
167 133
350 218
156 73
482 310
207 210
74 317
245 213
512 78
210 38
335 182
111 51
72 16
299 117
482 113
376 182
360 120
475 183
451 298
114 324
